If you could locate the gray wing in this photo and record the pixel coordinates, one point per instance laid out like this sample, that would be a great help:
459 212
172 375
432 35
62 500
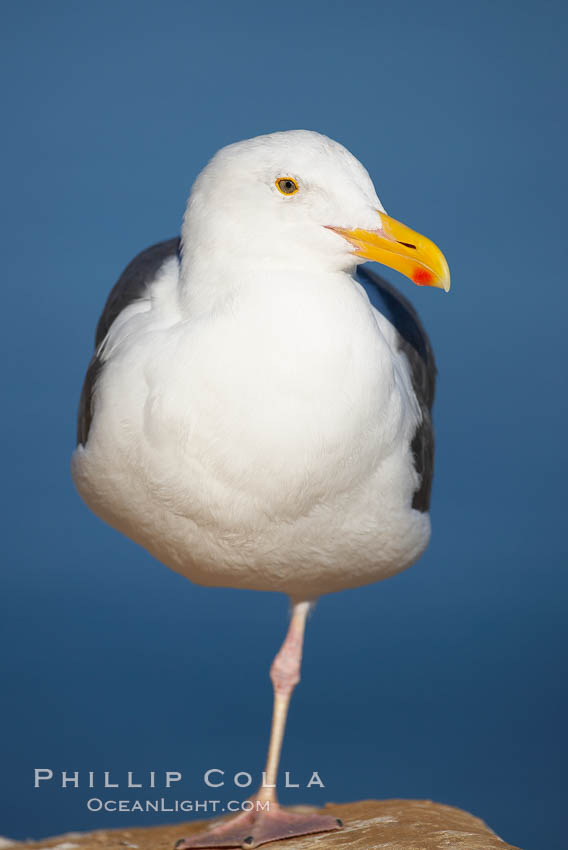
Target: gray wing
413 341
131 285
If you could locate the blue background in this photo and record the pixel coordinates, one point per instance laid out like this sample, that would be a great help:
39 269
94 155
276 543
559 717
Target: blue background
446 682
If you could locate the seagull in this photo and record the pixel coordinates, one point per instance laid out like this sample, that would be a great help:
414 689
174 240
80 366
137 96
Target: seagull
257 411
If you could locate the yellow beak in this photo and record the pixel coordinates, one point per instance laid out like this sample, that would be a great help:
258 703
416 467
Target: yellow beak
398 247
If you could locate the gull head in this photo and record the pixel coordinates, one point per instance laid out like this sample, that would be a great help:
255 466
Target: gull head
298 200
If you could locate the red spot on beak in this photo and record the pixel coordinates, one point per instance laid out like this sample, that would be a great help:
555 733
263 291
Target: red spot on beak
422 277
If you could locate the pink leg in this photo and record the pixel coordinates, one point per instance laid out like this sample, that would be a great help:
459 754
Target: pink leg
267 821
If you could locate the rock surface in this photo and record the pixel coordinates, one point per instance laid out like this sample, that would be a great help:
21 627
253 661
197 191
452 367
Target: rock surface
369 825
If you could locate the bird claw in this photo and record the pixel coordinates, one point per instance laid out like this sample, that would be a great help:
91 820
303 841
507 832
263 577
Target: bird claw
251 829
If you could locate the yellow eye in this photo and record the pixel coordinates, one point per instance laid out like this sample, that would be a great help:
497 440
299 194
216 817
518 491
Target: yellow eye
287 185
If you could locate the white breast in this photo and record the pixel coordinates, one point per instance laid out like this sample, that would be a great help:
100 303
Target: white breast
264 446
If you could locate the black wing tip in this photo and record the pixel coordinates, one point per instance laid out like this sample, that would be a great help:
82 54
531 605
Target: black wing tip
86 407
416 345
404 317
131 285
410 325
